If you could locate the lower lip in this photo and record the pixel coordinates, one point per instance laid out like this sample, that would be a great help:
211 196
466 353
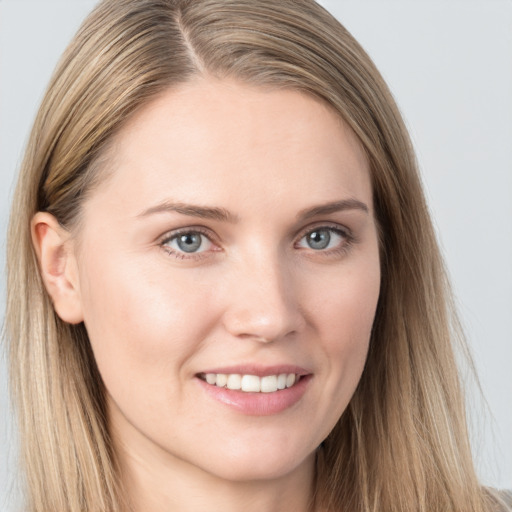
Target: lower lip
258 404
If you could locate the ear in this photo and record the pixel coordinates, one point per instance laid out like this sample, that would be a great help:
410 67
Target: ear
58 266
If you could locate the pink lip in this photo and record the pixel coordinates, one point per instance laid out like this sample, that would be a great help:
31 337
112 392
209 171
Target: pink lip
257 404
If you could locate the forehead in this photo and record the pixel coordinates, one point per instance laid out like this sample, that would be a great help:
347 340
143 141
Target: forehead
208 139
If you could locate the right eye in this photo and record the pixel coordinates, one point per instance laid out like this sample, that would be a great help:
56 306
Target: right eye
182 243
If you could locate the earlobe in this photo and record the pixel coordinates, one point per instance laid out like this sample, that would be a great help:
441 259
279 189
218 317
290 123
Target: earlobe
58 266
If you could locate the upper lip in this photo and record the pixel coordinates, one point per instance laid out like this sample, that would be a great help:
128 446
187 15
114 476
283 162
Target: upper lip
258 370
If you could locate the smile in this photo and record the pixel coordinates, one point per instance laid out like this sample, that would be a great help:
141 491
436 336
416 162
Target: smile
251 383
256 390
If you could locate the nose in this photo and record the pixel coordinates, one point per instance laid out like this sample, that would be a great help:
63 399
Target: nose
262 301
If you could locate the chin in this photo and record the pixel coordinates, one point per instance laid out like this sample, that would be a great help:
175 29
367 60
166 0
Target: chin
259 464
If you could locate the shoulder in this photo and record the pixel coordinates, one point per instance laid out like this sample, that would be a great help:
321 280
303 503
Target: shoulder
502 500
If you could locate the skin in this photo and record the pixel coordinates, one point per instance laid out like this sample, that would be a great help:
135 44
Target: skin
255 292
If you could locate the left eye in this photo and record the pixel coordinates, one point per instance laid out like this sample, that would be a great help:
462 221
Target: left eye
321 239
188 242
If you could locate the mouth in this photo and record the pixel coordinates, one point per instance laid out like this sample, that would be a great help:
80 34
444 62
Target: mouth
252 383
256 390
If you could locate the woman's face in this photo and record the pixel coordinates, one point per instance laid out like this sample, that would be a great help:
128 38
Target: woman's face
234 244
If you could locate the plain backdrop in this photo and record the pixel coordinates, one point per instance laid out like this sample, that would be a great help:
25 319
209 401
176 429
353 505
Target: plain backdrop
449 64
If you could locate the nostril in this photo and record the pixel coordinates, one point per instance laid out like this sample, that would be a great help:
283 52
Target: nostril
260 339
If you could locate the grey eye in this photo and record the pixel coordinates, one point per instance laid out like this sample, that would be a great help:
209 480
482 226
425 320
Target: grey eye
189 242
319 239
323 238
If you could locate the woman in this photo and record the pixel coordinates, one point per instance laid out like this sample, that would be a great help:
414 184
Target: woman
178 342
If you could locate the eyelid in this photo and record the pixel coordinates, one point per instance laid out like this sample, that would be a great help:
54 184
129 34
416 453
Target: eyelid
173 233
343 230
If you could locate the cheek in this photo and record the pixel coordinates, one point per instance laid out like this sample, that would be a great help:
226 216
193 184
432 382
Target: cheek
345 306
141 330
344 319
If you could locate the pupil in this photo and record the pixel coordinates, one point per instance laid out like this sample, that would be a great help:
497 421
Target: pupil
189 242
319 239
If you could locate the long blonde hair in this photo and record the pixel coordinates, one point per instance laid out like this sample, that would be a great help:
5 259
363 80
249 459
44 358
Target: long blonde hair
402 444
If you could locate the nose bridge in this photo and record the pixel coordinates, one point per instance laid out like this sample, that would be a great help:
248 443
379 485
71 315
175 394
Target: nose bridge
263 303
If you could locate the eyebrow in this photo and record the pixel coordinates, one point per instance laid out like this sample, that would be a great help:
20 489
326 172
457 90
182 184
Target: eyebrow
223 215
333 207
203 212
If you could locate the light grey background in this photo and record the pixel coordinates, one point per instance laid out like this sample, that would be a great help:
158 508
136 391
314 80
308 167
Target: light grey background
449 64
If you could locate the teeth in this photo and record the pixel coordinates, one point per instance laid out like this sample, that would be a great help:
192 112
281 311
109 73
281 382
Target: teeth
290 380
269 384
221 379
234 381
251 383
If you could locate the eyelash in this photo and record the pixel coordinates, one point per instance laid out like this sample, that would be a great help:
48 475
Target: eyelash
342 248
348 241
185 231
